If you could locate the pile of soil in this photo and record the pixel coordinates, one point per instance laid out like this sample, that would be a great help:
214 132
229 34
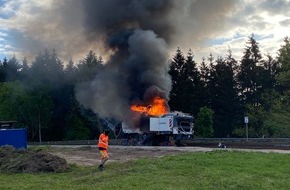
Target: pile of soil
30 161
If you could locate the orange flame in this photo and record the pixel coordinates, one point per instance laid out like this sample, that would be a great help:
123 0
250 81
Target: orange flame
156 108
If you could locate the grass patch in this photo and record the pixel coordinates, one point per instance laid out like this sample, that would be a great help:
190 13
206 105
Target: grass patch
210 170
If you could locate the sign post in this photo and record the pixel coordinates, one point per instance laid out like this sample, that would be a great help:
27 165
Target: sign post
246 119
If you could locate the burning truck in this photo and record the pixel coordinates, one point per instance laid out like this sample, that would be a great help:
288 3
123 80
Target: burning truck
153 124
158 123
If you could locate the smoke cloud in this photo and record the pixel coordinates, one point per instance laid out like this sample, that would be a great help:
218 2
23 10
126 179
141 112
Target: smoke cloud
137 77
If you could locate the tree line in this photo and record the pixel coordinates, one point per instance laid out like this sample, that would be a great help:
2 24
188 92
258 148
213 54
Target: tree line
222 91
218 92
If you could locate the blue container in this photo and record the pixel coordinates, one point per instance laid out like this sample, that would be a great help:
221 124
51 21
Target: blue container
13 137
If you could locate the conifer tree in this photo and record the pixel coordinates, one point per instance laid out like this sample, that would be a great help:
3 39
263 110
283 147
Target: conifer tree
175 72
187 89
89 67
224 96
284 71
250 86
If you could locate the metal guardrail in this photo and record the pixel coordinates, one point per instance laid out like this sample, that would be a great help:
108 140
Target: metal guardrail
76 142
276 143
244 140
200 140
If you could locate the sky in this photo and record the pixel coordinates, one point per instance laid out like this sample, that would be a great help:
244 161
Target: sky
204 26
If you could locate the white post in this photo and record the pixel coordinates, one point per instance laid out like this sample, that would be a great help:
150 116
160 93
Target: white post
247 132
246 119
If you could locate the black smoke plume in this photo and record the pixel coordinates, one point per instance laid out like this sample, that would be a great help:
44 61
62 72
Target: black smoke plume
130 75
135 31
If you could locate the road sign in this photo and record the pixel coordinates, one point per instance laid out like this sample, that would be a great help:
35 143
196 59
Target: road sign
246 119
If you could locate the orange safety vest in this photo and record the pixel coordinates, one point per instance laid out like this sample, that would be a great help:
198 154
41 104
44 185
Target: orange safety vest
103 141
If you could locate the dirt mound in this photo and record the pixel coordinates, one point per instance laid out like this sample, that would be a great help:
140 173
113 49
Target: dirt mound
30 161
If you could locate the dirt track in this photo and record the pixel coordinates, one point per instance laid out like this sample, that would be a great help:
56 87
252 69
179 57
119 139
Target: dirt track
89 156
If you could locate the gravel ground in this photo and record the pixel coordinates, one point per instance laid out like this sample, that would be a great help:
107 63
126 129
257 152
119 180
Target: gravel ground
89 155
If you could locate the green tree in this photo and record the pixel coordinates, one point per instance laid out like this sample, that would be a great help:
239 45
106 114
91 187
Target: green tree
249 72
268 73
205 78
47 73
24 70
204 123
175 72
269 120
187 89
261 113
77 129
193 88
39 108
47 69
224 96
89 67
283 76
277 118
29 109
269 114
252 77
70 73
278 100
81 123
42 81
12 98
9 70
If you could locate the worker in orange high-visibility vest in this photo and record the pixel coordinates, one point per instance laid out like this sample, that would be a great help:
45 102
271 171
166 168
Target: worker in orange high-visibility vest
103 146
